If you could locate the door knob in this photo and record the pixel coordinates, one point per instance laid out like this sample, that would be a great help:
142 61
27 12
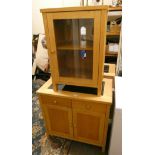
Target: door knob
88 107
52 51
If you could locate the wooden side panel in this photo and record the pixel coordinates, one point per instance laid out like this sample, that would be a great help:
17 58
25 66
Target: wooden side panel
43 113
103 30
49 47
96 44
105 128
52 42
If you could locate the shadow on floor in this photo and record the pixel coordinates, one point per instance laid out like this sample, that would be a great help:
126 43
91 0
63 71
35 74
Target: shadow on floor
78 148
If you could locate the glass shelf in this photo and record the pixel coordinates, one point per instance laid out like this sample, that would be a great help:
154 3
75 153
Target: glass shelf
72 64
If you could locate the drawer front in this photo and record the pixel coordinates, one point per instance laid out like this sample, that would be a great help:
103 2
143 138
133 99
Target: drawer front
89 106
56 101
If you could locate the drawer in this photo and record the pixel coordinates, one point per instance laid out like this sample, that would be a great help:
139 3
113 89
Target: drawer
56 101
89 106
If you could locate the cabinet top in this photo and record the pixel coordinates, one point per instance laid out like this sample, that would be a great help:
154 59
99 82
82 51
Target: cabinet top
80 8
105 98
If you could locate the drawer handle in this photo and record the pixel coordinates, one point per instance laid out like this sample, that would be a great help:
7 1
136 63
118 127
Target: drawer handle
55 101
88 107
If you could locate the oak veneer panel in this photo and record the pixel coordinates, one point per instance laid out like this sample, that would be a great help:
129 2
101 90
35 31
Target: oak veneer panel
74 9
85 128
56 124
56 101
88 126
102 45
106 98
59 120
89 106
56 117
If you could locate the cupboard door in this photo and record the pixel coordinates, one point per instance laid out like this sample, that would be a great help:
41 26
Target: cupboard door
59 120
88 127
74 39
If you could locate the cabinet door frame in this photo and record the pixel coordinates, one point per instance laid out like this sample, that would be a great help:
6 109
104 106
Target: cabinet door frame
56 133
102 117
96 47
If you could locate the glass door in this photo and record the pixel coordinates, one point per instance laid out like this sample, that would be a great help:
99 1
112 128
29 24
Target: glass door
76 45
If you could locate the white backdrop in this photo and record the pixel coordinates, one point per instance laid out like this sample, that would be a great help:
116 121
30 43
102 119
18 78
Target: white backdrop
37 21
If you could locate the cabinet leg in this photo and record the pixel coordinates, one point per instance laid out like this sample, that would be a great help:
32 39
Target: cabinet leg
103 148
55 87
99 91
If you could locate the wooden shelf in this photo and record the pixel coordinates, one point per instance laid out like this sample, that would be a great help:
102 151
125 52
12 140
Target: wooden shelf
117 8
113 33
111 53
69 46
114 13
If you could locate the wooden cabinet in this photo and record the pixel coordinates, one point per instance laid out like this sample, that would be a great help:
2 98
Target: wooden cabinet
77 116
76 44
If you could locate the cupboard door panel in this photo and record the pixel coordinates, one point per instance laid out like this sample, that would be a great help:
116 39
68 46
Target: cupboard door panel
88 127
59 120
74 39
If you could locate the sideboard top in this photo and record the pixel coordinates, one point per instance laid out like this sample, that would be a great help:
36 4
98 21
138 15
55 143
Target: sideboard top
106 97
80 8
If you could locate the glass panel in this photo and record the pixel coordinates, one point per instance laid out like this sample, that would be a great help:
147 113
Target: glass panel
74 43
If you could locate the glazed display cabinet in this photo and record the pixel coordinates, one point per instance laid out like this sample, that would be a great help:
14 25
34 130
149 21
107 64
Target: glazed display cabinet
76 40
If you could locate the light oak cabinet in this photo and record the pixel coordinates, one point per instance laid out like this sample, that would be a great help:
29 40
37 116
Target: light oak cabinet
76 39
76 116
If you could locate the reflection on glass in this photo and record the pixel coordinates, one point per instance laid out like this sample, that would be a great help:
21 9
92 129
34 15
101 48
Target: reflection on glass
74 43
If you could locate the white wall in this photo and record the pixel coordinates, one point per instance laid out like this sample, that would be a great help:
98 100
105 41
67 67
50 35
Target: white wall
116 133
37 21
